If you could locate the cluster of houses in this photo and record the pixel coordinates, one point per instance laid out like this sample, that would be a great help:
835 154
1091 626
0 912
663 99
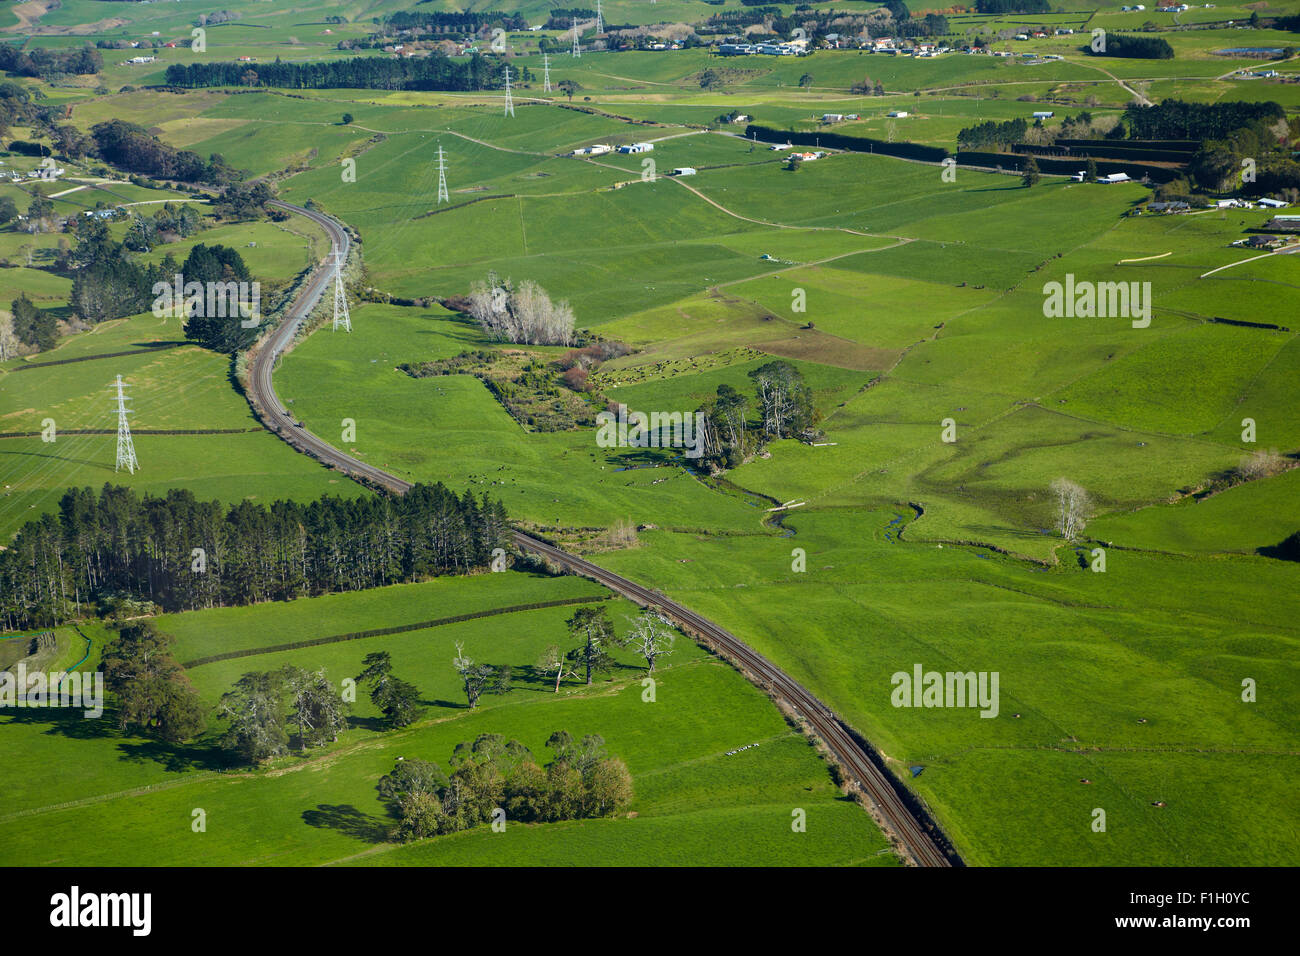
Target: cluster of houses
1261 241
32 225
888 45
1028 58
791 48
897 48
1277 223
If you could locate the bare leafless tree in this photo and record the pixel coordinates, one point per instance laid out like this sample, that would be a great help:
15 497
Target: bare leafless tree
522 314
1074 508
1261 464
554 661
8 340
651 636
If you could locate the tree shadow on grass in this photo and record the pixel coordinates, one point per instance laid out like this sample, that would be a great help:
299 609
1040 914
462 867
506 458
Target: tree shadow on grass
453 704
348 820
174 758
1286 550
72 723
376 724
65 721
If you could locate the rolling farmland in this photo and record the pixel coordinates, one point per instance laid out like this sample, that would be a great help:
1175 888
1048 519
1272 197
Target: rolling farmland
1091 512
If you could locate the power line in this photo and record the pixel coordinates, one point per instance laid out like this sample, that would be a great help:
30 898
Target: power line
442 178
125 447
341 315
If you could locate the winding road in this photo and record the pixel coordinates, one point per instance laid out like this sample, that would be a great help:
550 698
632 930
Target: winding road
896 809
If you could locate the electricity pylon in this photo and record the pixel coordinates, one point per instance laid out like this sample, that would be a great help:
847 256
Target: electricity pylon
546 73
577 47
600 22
125 447
442 178
341 315
510 103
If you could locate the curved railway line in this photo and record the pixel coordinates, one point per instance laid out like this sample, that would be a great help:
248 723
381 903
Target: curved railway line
895 808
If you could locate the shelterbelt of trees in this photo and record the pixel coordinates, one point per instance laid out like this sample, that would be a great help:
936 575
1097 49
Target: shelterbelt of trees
1227 133
183 554
434 72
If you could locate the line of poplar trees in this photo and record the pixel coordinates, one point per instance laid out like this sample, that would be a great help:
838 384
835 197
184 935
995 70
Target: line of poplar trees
184 554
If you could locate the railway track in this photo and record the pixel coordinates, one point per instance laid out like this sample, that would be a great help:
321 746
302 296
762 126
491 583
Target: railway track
918 836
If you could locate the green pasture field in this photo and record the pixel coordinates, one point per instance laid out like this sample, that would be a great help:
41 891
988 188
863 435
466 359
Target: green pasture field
201 634
449 427
1082 657
1224 522
182 387
923 301
692 799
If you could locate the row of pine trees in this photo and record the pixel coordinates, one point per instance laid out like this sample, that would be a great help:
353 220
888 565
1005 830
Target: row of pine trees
184 554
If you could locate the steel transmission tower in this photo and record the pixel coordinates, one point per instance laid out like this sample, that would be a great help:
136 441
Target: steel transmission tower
125 447
600 21
442 178
546 73
341 315
577 47
510 103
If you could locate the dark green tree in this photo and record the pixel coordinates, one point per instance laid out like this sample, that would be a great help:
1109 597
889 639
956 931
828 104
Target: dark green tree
397 700
317 707
151 687
255 709
34 325
592 626
1030 175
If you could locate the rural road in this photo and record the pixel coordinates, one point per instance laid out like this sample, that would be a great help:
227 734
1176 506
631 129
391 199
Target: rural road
895 807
